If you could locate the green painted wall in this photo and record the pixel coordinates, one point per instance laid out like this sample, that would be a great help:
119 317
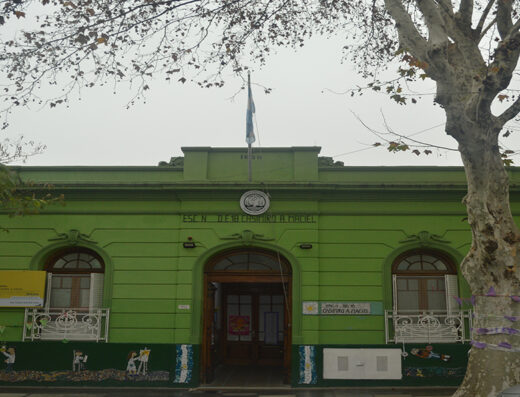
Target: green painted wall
357 220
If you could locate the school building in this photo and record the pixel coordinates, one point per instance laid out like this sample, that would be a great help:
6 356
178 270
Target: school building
313 274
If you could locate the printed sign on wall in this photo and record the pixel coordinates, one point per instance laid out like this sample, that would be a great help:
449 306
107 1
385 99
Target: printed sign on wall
22 288
310 308
343 308
238 325
346 308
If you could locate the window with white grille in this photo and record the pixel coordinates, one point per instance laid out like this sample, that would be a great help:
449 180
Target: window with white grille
424 281
75 280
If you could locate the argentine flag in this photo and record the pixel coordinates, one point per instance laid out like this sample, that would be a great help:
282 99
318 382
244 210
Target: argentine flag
250 133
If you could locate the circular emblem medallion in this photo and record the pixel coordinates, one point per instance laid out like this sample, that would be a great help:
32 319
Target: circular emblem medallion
254 202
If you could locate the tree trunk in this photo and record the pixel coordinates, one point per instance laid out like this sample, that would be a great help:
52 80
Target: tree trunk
491 262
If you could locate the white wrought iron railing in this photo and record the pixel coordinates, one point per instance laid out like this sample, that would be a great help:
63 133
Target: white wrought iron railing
427 326
69 324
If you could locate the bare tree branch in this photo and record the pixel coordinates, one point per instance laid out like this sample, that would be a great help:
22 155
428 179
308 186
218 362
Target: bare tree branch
409 36
446 6
504 21
434 22
486 29
466 11
510 113
483 18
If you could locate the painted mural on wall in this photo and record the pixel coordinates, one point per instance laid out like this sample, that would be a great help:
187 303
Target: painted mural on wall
136 369
429 361
10 354
428 353
79 360
183 364
430 372
307 370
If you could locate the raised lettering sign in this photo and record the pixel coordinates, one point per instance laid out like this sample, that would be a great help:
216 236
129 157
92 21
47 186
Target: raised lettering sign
244 218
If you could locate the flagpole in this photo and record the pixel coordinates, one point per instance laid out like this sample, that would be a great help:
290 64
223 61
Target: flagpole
249 150
249 162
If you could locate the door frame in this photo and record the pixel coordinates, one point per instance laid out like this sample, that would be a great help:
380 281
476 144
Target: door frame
244 278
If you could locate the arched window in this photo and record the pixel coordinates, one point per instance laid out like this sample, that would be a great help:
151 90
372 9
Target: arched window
249 260
75 279
424 280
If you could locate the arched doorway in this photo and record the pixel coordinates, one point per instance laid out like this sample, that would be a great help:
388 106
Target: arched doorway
247 312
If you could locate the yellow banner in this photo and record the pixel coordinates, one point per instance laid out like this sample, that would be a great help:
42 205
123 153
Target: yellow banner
22 288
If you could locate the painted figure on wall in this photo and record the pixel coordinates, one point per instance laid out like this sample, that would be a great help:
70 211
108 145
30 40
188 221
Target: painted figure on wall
10 353
78 360
144 355
428 353
131 368
78 370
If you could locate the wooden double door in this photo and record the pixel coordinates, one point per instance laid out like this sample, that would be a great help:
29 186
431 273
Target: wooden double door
253 324
246 322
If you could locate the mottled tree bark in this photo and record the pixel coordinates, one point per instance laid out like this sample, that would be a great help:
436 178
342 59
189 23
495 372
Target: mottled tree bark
466 88
491 262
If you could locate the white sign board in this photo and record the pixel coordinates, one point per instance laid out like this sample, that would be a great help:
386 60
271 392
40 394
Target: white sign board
345 308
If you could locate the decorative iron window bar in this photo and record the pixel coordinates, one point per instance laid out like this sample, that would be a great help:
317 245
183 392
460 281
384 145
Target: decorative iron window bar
69 324
412 326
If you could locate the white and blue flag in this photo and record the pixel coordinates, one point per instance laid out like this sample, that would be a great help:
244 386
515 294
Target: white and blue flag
250 133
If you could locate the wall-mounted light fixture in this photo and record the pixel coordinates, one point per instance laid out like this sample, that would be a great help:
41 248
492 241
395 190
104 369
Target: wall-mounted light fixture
305 246
189 244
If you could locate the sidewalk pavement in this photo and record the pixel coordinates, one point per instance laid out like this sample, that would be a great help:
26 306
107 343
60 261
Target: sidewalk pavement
165 392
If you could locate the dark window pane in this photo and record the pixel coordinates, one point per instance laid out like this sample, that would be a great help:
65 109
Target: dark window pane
83 265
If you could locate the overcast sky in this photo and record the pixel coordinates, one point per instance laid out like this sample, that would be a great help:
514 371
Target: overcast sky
300 111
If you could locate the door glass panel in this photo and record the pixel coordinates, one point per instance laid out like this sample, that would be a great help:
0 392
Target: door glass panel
271 328
277 299
84 295
66 282
408 300
280 309
83 265
59 264
432 284
70 257
414 258
264 299
413 285
258 266
232 298
245 318
436 293
85 282
95 264
440 266
232 311
60 297
262 309
239 321
436 300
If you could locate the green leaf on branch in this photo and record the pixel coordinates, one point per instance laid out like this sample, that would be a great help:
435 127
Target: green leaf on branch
401 100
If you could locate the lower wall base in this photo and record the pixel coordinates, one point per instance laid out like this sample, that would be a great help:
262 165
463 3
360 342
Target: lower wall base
421 365
125 364
101 364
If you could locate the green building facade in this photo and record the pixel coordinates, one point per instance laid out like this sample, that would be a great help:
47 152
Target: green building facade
342 276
